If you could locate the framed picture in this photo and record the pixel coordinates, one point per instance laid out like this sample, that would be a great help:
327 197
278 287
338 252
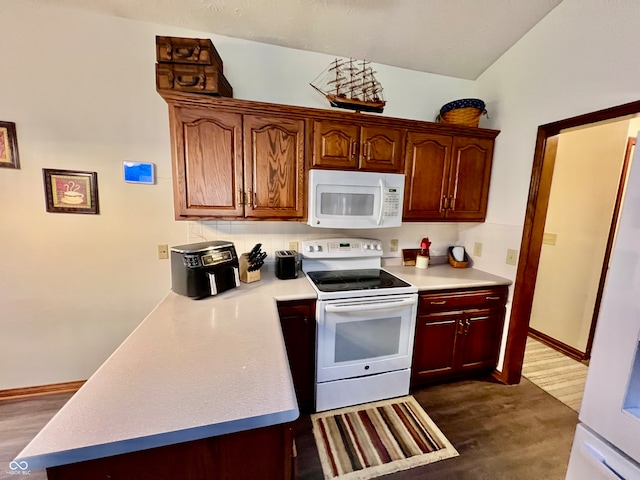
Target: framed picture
69 191
8 146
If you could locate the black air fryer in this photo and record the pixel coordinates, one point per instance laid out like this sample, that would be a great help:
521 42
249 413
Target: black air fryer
200 270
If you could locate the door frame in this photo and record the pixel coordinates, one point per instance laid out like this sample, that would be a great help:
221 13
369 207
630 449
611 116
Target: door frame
533 230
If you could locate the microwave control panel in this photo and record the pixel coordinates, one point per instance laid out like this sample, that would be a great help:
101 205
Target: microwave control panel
392 202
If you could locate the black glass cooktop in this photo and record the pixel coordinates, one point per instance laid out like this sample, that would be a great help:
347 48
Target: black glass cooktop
345 280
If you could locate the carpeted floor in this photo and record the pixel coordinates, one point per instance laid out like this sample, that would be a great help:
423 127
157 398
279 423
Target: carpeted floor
558 375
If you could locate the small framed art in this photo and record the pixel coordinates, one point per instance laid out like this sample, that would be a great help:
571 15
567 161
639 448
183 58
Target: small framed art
9 146
70 191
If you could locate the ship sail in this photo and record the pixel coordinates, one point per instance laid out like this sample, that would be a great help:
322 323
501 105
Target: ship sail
351 84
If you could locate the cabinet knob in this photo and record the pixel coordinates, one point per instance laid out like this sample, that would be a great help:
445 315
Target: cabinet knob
439 303
492 298
353 149
452 202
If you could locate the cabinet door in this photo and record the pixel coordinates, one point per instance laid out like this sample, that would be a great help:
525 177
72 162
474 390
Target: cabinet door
434 345
335 145
381 149
469 178
299 331
207 162
427 159
480 336
274 167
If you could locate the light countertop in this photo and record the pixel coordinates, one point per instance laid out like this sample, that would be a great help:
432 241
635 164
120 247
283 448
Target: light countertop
198 368
192 369
437 277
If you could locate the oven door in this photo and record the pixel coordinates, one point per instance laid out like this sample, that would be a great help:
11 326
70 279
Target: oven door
365 336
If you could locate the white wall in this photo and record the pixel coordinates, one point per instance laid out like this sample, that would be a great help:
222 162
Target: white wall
81 89
580 58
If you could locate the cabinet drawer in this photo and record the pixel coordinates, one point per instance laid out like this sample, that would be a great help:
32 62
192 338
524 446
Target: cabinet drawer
195 51
192 78
462 299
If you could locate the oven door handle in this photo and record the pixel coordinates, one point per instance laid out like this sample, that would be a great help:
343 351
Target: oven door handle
350 307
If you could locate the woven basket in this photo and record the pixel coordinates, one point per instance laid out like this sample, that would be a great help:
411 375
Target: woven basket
465 112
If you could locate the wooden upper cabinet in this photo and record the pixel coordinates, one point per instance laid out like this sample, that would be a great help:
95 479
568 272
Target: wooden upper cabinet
447 177
428 157
207 162
274 167
357 147
335 145
216 175
239 159
382 149
469 178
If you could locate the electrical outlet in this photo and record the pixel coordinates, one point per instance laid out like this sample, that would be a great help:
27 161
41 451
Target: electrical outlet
477 249
549 238
512 257
293 246
393 245
163 252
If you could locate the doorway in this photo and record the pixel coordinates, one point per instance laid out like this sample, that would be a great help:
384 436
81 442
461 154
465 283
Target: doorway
533 230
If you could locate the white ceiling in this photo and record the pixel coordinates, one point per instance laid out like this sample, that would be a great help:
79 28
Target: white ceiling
457 38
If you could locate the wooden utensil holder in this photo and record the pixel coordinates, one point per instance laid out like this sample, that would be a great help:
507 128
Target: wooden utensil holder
245 275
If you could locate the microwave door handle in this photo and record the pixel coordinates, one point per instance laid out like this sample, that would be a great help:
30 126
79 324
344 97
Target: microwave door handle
338 308
381 202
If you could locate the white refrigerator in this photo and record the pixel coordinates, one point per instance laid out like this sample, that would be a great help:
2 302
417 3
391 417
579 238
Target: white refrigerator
607 440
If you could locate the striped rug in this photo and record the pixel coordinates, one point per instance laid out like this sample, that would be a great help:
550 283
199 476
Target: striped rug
560 376
373 439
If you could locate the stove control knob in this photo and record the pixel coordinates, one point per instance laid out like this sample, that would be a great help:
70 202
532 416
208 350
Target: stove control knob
310 248
378 246
366 246
319 248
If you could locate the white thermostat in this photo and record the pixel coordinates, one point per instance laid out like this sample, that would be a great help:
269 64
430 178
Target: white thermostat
136 172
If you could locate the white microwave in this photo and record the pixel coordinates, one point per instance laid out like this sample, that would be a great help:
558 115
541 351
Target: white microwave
348 199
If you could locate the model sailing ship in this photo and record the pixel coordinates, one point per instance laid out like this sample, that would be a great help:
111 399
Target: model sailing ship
351 84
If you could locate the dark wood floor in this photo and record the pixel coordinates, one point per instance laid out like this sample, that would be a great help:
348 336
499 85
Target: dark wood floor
502 432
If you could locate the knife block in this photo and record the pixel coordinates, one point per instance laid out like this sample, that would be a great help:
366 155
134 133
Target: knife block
245 275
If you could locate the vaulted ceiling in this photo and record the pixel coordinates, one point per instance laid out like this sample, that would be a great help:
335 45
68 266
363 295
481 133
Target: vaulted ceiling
457 38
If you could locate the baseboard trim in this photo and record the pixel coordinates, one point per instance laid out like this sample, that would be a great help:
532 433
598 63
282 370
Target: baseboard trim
551 342
38 390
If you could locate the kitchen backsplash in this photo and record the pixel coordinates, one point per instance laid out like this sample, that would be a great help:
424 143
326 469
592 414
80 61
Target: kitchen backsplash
278 235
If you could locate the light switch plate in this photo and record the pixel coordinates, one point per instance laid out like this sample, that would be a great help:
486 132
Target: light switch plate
477 249
549 238
393 245
512 257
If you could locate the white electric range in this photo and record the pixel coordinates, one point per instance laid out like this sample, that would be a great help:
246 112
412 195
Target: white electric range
365 323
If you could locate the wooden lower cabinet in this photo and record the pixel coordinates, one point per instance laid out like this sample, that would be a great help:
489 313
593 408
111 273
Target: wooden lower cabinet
262 454
297 319
458 333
